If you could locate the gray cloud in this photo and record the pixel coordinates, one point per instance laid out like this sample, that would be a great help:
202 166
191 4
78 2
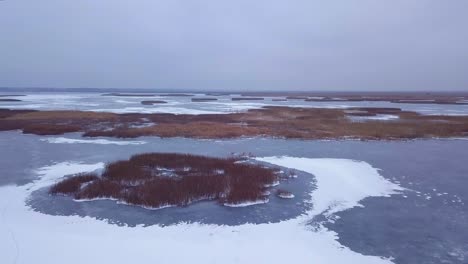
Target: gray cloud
240 45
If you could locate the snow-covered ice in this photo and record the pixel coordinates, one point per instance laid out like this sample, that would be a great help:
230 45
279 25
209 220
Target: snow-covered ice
63 140
51 174
286 195
341 183
159 109
184 105
379 117
247 203
27 236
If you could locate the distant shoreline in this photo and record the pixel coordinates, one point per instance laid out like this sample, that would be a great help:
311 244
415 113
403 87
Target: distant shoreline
247 92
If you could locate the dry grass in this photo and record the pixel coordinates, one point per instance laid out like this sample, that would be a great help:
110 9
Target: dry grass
73 184
46 129
394 97
4 113
160 179
51 115
288 122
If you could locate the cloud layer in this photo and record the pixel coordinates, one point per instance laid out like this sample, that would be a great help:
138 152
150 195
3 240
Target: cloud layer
235 45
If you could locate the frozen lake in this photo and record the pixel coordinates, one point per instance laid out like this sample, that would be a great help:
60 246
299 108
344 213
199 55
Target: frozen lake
413 196
354 201
184 105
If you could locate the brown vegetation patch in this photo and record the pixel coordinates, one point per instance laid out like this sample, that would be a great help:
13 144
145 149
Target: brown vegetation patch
247 98
287 122
457 98
65 115
176 94
9 100
46 129
164 179
437 101
372 111
7 112
72 185
393 99
152 102
128 95
217 94
206 99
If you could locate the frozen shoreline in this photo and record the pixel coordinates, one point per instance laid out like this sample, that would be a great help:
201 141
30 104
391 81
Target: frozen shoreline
23 228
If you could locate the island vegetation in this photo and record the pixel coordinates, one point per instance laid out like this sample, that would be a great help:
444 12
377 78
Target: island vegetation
9 100
157 180
153 102
129 94
204 99
247 98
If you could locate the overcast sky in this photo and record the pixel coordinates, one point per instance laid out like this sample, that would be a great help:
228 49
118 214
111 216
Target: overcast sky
237 45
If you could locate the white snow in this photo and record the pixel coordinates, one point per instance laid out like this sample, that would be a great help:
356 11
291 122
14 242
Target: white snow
50 174
341 183
27 236
273 184
383 117
379 117
286 195
63 140
247 203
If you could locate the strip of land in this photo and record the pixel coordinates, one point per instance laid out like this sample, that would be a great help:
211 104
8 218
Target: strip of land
452 98
285 122
153 102
9 100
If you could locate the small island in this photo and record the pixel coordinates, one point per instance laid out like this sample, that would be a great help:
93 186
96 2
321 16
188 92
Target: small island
204 99
284 194
176 95
247 98
9 100
159 180
129 94
153 102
